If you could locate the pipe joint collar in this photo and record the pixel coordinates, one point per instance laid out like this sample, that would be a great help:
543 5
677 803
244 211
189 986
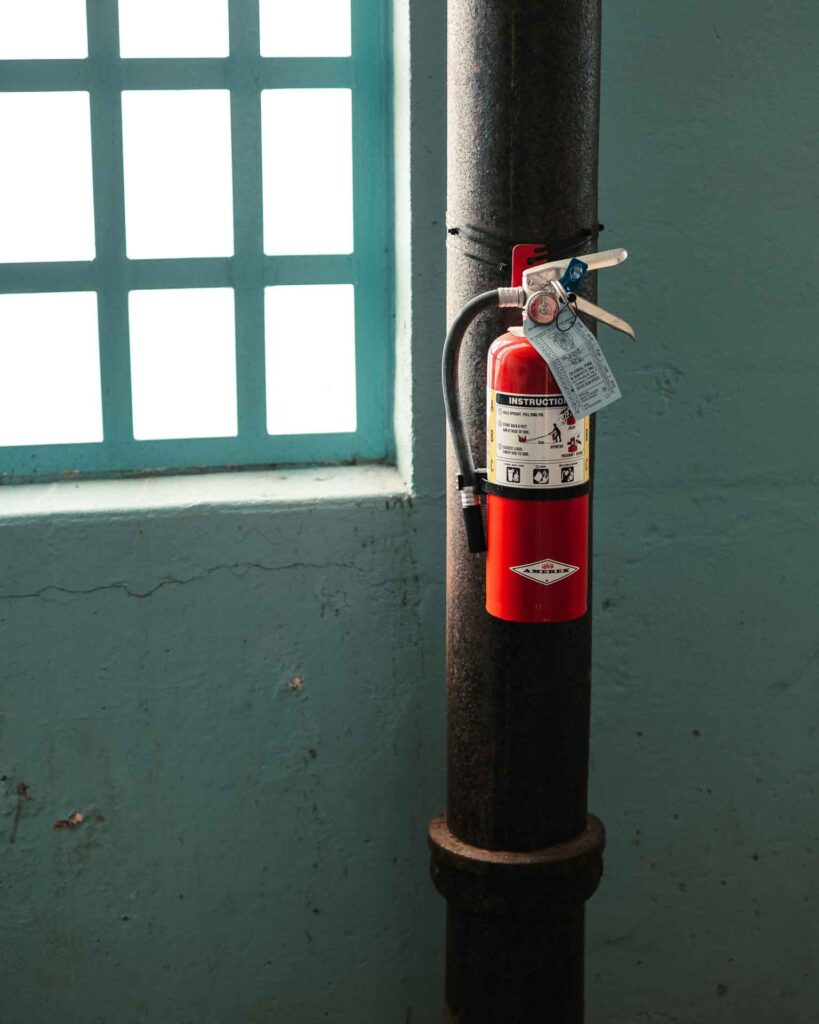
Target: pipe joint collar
505 882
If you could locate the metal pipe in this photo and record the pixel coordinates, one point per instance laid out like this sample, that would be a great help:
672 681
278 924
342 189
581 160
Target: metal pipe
517 854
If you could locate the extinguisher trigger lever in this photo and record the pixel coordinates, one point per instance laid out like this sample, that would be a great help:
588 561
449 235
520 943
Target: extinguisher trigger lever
605 317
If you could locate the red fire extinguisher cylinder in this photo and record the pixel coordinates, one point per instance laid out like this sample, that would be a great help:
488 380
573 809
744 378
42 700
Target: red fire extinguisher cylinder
538 483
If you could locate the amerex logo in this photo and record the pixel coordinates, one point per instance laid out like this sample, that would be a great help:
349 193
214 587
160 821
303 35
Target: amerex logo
546 571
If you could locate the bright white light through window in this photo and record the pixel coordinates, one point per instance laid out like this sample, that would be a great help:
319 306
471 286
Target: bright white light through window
320 400
320 28
307 171
46 190
183 363
173 28
49 369
176 147
178 178
42 29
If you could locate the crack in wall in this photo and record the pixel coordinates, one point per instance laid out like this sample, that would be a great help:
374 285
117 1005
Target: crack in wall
238 568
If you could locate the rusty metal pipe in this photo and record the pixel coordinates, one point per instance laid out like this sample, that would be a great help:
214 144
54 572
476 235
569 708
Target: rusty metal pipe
517 854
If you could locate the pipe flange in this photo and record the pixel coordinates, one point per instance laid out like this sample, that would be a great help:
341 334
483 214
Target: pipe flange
506 882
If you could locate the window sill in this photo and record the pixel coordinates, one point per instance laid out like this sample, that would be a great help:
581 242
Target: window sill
203 490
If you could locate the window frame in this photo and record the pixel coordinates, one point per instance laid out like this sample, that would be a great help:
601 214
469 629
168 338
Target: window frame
245 73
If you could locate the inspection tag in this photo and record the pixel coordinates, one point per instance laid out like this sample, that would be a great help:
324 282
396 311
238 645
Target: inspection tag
577 363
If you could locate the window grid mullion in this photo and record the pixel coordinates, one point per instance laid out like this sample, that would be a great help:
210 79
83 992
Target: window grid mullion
372 206
180 73
248 259
109 219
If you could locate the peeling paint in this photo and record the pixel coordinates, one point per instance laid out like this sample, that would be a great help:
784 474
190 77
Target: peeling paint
72 821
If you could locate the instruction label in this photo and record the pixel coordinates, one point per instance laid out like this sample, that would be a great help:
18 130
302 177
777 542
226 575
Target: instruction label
535 441
577 363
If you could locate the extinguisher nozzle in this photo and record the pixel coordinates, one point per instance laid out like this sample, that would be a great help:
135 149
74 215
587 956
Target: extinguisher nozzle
475 533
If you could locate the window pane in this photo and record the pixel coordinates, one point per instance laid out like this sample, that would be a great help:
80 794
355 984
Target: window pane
46 193
183 363
318 29
307 171
49 369
173 28
310 370
178 191
42 29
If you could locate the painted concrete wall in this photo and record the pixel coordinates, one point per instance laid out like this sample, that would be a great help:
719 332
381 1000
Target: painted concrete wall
706 760
239 702
240 689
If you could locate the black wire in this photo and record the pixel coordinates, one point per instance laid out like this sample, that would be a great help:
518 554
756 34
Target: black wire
500 247
573 307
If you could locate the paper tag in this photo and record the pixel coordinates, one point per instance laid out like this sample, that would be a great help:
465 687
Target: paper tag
577 363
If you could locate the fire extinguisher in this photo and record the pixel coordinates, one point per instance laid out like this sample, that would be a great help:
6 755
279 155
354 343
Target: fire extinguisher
535 485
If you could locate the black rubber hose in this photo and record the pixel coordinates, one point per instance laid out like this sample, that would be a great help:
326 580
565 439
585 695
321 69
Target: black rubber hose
475 532
473 513
449 380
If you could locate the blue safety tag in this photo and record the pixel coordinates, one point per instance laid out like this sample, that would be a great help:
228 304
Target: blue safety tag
574 274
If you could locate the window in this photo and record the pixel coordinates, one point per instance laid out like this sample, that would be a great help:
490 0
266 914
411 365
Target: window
195 234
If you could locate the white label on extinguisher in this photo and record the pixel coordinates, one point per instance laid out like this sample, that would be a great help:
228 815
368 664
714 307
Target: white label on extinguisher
546 571
535 442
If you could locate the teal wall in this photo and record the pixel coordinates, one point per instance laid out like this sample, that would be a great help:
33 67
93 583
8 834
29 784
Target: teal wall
245 705
253 848
706 760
